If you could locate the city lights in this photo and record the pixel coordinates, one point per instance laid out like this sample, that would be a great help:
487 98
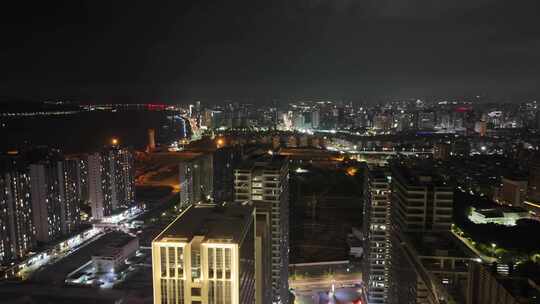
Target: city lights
312 152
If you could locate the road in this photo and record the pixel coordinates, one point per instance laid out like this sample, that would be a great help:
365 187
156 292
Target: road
347 289
466 242
319 296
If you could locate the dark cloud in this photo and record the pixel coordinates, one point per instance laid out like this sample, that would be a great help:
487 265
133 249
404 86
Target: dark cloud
225 49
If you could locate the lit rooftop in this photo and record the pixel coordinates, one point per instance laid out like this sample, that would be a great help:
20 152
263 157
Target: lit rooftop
224 224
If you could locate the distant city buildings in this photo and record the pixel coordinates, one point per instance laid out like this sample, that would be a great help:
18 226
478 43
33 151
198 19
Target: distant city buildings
207 255
412 253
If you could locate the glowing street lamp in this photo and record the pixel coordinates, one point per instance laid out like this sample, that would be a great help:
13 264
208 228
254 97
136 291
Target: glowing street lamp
220 142
114 141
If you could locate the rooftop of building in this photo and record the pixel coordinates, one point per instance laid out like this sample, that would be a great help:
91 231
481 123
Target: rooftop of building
266 161
379 173
418 176
115 241
180 155
500 211
442 244
223 223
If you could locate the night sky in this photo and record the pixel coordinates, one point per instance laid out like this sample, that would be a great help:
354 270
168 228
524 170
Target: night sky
173 51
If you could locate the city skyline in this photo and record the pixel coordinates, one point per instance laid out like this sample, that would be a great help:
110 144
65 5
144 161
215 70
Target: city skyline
270 152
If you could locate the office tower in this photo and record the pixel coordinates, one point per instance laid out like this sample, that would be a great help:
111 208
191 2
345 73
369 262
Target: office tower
422 200
196 178
225 160
206 255
265 183
376 268
428 264
513 191
111 181
16 220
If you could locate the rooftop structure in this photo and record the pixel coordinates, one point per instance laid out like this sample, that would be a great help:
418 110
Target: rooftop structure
206 255
503 215
215 223
120 247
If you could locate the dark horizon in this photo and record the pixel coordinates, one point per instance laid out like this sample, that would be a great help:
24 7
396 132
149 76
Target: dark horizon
250 50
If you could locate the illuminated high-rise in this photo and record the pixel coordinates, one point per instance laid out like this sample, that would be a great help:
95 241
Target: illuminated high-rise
47 199
264 183
56 196
376 271
206 255
196 177
75 191
111 181
16 221
428 265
